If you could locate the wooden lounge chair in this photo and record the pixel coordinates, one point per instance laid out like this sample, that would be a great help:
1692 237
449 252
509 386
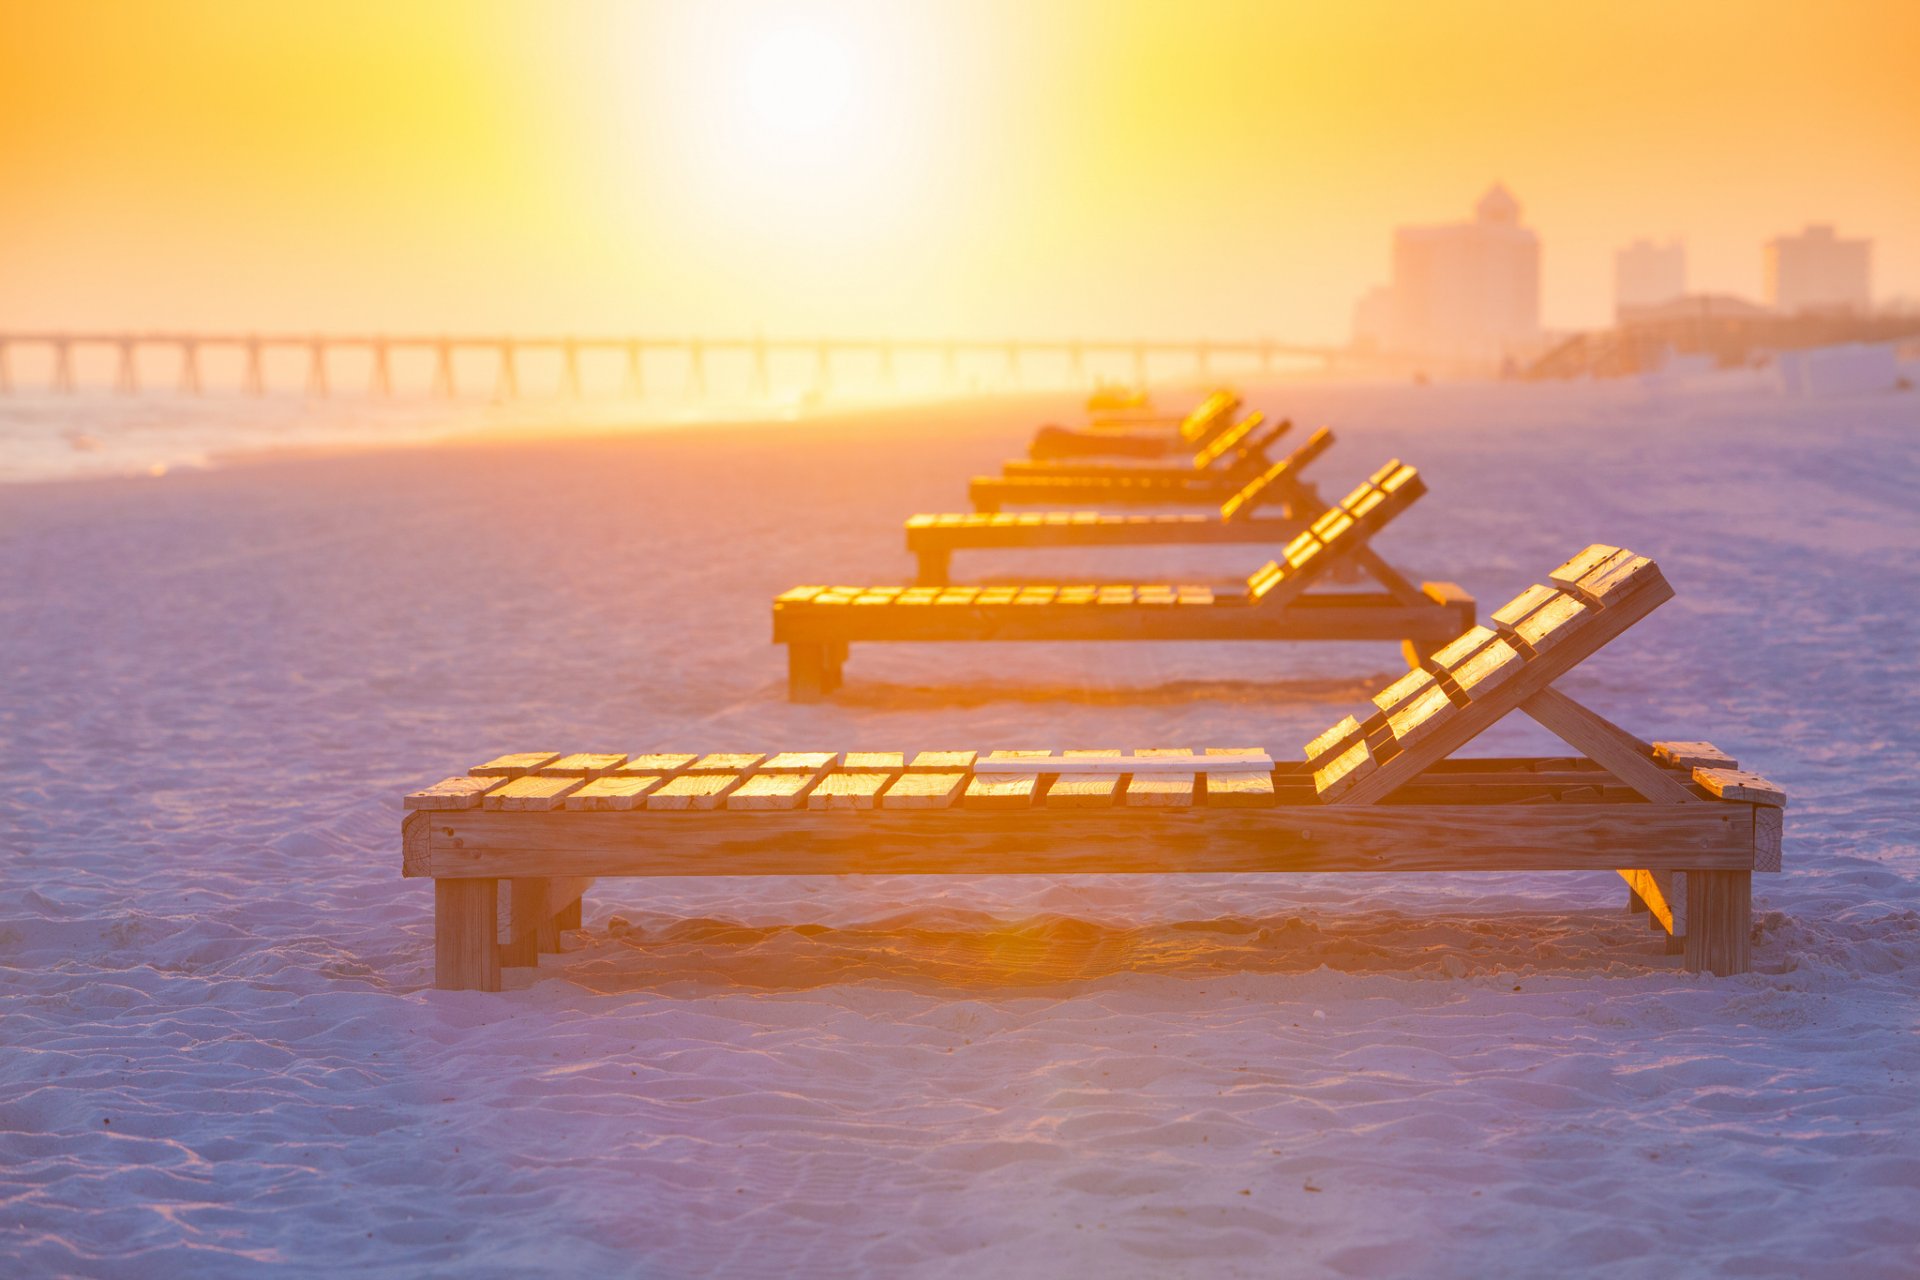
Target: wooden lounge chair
1206 480
1677 820
818 624
1240 447
1139 436
934 538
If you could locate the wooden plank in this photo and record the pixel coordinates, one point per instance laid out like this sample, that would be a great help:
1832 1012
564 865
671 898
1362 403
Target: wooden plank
1738 784
1131 840
585 765
466 954
1161 790
1769 832
616 792
924 790
1344 771
848 791
663 762
1568 575
512 766
1616 578
1334 740
450 793
694 791
1692 755
1421 714
1623 755
1236 790
772 791
1404 690
726 762
801 595
882 761
1083 791
1001 791
1553 622
943 761
529 792
1488 669
815 762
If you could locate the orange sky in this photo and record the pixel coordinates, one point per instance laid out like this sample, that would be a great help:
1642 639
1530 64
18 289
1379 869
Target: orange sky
969 168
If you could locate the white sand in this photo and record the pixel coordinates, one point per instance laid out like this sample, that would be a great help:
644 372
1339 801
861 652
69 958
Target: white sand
220 1056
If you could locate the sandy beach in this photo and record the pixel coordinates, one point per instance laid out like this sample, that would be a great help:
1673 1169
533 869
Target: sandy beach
223 1056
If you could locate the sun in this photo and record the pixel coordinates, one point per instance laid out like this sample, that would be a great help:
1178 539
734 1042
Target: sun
799 82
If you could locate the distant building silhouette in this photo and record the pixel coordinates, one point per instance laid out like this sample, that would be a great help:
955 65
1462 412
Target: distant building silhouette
1464 291
1816 271
1646 274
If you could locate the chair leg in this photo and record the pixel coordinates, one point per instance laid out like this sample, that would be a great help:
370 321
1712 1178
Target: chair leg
1719 922
806 672
466 956
936 567
532 929
569 916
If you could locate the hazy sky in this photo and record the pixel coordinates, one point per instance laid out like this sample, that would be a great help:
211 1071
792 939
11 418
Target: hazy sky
914 169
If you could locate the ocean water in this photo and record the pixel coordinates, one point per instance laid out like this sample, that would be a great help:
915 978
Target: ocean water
46 436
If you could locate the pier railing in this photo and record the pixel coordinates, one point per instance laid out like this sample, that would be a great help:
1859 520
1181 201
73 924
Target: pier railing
1075 362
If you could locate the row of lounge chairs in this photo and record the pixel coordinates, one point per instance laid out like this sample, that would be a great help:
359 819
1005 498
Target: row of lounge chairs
1381 790
1230 470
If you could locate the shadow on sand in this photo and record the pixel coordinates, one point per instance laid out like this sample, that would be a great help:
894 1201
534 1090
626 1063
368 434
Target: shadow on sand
949 951
882 696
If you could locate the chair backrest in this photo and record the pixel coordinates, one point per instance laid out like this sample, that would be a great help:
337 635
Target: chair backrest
1336 533
1234 440
1207 415
1466 687
1248 500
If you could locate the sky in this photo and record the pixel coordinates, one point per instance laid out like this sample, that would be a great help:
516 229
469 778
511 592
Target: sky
1077 168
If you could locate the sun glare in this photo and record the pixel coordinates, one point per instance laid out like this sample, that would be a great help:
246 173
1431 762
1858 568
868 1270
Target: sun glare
798 88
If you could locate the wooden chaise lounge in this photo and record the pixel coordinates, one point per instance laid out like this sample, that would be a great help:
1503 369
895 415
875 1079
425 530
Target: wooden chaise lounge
1139 436
818 624
933 538
1213 474
1242 446
1677 820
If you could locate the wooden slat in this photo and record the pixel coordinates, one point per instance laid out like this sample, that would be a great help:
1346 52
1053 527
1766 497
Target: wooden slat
529 792
662 762
924 790
1332 741
1292 837
450 793
1738 784
1161 790
1560 617
815 762
1344 770
1252 789
1001 791
943 761
584 765
848 791
726 762
800 595
1083 791
1693 755
694 791
614 792
1488 669
1570 573
883 761
512 766
771 791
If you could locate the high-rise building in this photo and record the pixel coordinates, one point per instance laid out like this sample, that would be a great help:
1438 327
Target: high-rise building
1461 290
1817 271
1646 274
